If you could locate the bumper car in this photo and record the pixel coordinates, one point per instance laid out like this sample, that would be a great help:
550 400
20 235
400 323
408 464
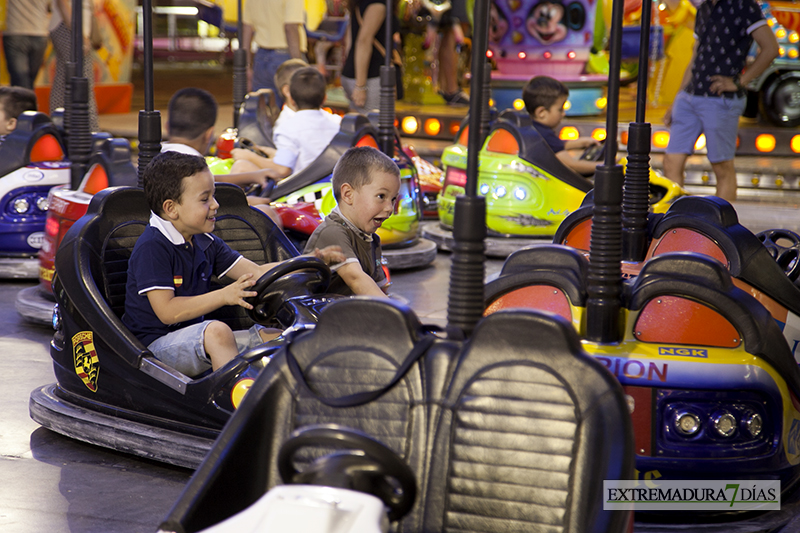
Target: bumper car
529 191
109 166
32 163
710 380
109 390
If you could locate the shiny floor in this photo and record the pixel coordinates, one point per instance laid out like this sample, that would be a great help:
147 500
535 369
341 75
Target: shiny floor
49 483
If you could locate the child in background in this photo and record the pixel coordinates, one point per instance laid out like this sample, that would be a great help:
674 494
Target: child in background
170 269
366 183
13 102
303 136
544 99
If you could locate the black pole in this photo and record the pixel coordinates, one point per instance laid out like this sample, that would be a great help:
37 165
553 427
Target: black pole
486 94
149 118
466 304
239 68
79 140
386 113
636 198
604 279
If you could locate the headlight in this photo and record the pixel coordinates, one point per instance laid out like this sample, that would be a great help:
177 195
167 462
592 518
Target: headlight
42 203
687 423
753 423
520 194
500 191
56 318
484 189
724 423
21 205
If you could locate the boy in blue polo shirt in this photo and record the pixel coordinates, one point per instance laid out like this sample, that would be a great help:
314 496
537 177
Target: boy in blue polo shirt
169 272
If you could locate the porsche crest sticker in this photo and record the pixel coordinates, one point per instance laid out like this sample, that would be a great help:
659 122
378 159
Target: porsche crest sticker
87 365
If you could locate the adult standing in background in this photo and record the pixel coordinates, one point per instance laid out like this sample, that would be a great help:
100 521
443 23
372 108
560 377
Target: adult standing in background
61 35
25 39
712 95
277 28
362 69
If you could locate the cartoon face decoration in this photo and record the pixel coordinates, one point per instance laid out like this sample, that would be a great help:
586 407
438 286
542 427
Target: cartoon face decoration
498 24
546 22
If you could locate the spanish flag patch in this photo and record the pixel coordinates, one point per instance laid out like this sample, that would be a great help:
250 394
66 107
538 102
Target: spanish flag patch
178 281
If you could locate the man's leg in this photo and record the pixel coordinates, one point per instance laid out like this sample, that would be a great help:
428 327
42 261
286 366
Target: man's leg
674 165
726 179
17 60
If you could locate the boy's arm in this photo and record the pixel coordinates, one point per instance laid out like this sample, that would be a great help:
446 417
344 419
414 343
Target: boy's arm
275 170
329 254
580 143
359 281
578 165
243 179
171 309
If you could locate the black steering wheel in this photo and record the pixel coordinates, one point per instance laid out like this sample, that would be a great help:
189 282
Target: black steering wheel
368 466
276 286
595 152
264 191
787 257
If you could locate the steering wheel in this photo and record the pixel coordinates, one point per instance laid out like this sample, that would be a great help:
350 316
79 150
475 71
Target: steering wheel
595 152
368 466
256 189
275 286
787 257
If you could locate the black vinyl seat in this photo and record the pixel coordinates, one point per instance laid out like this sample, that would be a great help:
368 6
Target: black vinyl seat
533 148
530 428
747 257
523 394
257 117
359 345
559 266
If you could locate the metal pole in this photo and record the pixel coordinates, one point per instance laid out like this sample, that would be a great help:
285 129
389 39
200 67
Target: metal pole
239 68
388 75
149 119
79 140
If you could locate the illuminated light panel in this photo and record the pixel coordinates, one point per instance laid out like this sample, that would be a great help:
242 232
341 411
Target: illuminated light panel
519 104
780 33
489 54
571 54
793 53
601 102
599 134
662 6
781 51
454 126
794 37
409 125
522 55
755 180
568 133
701 142
765 142
661 139
623 137
567 105
547 54
770 22
491 102
432 126
795 144
327 109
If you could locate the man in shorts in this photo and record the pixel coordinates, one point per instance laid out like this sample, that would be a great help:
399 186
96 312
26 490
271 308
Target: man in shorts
713 95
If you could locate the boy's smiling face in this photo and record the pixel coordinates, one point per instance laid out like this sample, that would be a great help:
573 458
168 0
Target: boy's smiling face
197 209
368 207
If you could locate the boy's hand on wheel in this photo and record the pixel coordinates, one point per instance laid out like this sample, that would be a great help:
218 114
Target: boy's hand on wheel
236 292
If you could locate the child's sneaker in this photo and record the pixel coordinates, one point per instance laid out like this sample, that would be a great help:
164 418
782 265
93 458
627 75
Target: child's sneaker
457 98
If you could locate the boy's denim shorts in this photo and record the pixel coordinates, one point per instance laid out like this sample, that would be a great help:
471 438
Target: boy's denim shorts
183 349
715 116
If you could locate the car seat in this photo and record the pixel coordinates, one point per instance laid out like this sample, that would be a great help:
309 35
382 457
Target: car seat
257 117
